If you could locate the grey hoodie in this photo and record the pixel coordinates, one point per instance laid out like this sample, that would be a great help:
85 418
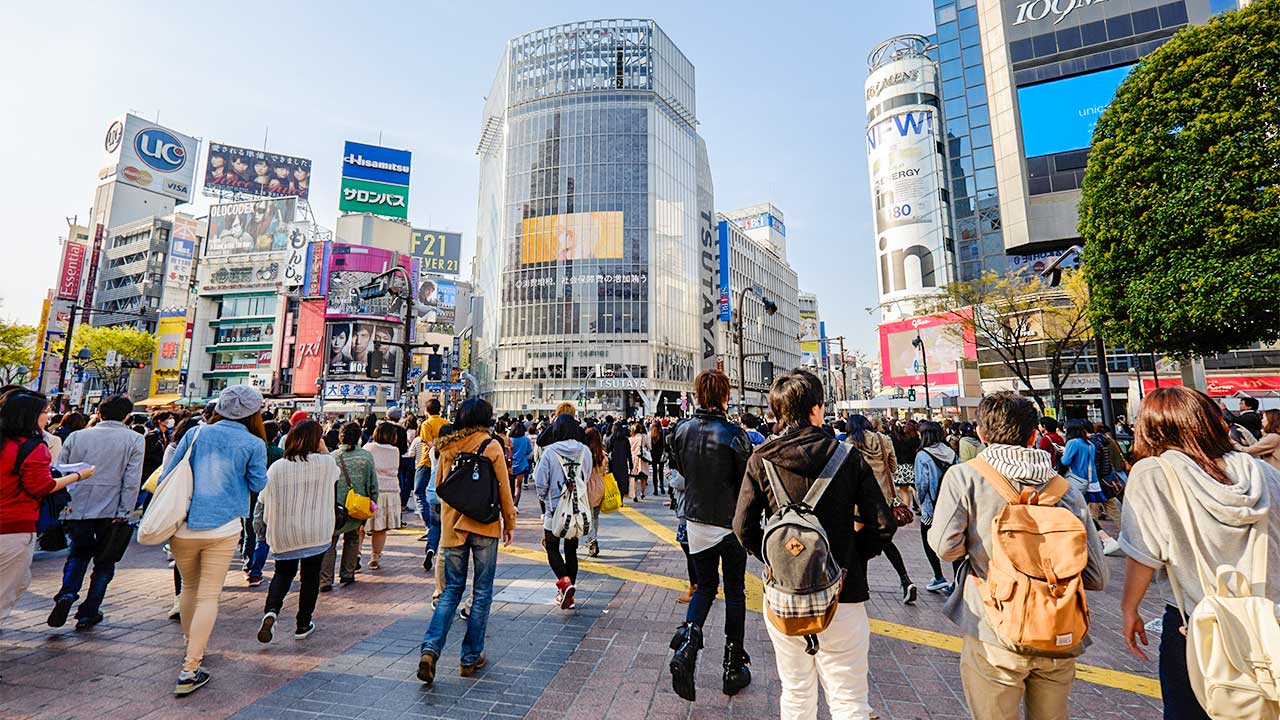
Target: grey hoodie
548 477
1155 533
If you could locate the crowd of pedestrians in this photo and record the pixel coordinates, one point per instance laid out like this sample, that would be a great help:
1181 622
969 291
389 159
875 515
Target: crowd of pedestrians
1009 512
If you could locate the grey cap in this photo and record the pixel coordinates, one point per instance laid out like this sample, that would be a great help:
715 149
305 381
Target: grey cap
395 413
237 402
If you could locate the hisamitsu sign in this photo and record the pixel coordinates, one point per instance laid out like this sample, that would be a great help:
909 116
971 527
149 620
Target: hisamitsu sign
375 180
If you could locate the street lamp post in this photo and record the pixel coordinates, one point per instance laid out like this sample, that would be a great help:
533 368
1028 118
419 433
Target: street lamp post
918 343
770 308
1054 275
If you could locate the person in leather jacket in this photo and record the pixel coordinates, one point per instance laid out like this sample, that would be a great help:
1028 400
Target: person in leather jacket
711 453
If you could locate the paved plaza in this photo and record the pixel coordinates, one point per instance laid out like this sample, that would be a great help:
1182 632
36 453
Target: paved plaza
606 660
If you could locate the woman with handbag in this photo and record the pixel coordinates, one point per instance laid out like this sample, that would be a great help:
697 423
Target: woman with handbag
386 465
931 463
1193 504
640 458
25 481
877 451
595 487
298 519
228 460
355 489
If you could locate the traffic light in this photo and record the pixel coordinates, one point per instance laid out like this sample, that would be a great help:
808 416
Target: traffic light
766 373
373 369
911 394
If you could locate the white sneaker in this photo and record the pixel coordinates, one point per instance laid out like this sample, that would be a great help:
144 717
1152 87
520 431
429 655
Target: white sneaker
1111 548
175 612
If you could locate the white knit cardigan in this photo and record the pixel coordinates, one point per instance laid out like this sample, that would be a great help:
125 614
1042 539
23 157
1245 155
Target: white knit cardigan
298 502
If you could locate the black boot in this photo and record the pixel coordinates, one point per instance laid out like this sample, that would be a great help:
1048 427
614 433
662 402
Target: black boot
737 668
686 642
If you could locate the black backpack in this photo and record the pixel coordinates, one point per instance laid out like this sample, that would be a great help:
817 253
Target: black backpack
51 505
471 487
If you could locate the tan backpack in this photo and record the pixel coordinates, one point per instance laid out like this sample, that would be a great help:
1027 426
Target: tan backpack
1033 591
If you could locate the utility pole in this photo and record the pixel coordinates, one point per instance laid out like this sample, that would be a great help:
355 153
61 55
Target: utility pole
770 308
924 365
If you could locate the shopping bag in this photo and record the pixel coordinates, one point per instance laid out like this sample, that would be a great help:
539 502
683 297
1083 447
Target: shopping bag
612 496
169 508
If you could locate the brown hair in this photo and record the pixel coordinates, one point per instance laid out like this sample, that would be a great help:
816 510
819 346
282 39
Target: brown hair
1186 420
711 388
794 396
1007 418
302 440
595 443
1271 421
385 434
253 423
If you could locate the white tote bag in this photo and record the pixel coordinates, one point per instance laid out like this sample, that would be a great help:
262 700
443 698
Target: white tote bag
172 501
572 516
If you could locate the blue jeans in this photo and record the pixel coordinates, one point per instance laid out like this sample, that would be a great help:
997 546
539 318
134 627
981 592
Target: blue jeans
433 527
730 557
422 478
407 474
86 538
259 558
484 551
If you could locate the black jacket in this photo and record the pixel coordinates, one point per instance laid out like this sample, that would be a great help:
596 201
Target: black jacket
711 453
853 495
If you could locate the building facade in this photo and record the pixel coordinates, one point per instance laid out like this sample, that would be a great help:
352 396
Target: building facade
771 343
591 229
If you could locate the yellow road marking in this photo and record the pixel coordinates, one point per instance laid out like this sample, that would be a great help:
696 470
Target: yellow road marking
1107 677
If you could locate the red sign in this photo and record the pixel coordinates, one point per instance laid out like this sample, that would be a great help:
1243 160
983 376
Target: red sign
945 341
72 268
307 355
1223 385
93 271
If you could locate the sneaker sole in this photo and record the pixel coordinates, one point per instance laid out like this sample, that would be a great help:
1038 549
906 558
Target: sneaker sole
682 682
58 617
567 602
265 633
304 635
910 598
185 690
426 672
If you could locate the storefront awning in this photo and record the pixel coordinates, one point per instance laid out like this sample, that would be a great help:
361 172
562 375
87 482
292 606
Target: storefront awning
158 401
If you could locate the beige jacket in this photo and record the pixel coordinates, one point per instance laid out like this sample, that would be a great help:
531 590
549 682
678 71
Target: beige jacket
877 450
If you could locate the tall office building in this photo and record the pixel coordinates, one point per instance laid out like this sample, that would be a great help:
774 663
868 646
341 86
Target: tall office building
595 222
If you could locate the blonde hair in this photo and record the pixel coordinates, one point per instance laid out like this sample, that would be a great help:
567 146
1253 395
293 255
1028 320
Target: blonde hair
566 408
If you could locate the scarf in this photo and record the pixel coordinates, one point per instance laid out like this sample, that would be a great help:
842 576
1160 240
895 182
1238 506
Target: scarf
1020 463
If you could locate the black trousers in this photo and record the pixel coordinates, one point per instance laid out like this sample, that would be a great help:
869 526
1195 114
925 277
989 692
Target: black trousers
1180 701
566 565
895 559
310 590
729 557
688 561
929 554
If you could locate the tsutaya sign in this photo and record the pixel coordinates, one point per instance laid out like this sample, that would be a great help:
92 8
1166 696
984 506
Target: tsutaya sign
1037 10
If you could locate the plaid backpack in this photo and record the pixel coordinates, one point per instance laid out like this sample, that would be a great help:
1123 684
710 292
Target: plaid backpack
802 578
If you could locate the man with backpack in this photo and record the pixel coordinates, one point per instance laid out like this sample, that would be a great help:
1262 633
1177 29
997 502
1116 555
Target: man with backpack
839 491
711 453
1023 626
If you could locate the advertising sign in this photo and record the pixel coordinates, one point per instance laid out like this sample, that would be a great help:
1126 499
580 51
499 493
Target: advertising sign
351 346
92 280
708 263
350 267
152 157
573 236
73 258
364 391
375 180
438 251
167 359
239 274
1223 385
437 305
249 226
810 348
1059 116
232 169
308 344
945 343
315 277
295 261
763 220
726 312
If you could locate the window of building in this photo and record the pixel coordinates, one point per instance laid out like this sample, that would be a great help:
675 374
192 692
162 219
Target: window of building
1042 45
984 157
1068 39
979 116
976 95
1020 50
981 135
945 14
948 33
970 36
1093 33
1175 14
968 17
1119 27
971 56
951 69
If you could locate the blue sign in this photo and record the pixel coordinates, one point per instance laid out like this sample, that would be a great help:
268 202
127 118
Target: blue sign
377 164
726 312
1059 116
160 149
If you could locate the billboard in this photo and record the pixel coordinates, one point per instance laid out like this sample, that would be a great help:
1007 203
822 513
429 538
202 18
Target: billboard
73 260
571 236
308 358
810 335
946 341
182 251
437 305
351 266
249 226
905 160
152 157
167 359
232 169
351 346
1059 116
375 180
438 251
726 311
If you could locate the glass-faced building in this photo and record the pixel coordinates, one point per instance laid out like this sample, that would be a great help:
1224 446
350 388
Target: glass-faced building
591 227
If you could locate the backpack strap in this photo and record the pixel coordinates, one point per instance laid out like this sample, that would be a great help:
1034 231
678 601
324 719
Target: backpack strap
1051 493
25 448
996 480
829 471
780 496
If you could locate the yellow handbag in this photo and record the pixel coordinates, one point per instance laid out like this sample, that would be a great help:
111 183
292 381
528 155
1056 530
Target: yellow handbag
358 506
153 480
612 496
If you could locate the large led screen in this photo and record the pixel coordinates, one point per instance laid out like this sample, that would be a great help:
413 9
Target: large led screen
1059 116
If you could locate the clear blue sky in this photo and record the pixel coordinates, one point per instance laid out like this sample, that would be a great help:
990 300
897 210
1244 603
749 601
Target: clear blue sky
779 99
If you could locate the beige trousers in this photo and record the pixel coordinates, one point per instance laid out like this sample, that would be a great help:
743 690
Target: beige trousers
16 551
997 681
203 565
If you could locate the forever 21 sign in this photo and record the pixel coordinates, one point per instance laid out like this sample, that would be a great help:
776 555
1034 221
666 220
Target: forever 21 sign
1038 10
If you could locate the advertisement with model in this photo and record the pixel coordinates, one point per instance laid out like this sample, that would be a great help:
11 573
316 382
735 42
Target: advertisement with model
232 169
250 226
352 346
150 156
946 340
439 252
351 267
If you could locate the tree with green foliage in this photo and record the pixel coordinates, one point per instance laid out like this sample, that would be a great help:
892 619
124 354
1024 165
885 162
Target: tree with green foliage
129 344
17 346
1180 210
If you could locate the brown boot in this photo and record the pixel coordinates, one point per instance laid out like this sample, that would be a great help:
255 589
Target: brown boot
685 598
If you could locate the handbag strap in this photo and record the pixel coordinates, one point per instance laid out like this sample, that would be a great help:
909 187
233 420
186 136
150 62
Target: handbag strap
346 478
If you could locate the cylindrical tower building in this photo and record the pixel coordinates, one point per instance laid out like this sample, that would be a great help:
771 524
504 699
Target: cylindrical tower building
906 158
589 235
